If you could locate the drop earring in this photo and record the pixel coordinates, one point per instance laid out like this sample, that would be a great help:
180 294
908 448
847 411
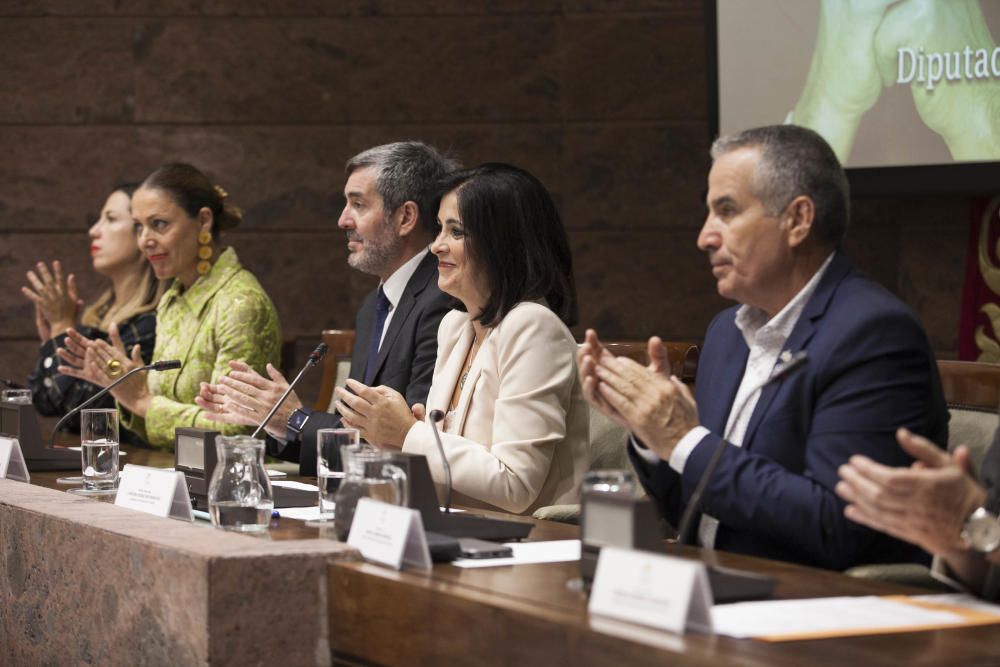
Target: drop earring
204 252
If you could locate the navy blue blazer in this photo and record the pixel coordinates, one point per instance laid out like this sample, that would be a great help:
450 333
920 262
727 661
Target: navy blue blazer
870 370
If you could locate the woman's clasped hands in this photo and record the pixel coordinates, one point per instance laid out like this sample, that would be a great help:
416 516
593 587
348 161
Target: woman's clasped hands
102 362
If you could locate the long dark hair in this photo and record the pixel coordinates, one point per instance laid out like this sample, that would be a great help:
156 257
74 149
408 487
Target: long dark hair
514 235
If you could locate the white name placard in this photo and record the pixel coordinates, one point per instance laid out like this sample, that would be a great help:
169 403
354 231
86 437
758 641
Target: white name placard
154 491
12 465
654 590
390 535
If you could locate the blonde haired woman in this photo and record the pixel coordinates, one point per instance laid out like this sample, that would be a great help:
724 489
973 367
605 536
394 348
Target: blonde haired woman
127 306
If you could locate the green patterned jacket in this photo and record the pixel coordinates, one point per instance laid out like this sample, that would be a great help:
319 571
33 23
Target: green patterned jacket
225 315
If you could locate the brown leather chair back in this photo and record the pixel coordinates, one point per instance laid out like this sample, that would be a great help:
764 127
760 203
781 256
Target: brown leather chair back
683 355
970 385
972 391
336 365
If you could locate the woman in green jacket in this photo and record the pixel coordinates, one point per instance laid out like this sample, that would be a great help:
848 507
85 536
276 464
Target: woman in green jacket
215 310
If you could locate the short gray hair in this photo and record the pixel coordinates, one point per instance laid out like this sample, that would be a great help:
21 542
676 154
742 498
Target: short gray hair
407 171
796 161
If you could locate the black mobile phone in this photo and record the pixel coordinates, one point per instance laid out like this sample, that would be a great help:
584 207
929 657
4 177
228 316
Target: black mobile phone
473 548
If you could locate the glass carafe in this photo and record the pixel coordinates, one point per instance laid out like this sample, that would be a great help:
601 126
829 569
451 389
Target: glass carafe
239 495
368 473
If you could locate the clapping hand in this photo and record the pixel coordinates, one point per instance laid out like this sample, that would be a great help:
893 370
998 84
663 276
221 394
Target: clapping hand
925 504
244 397
57 305
654 405
379 413
102 362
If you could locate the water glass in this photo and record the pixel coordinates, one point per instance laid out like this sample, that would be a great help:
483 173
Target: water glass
21 396
609 481
99 449
369 473
329 468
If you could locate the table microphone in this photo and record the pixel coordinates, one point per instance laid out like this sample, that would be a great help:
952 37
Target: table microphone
436 416
168 365
314 358
441 520
794 362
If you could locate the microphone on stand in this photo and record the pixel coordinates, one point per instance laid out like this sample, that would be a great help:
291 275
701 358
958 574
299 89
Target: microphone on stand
729 584
440 524
781 372
436 416
168 365
314 358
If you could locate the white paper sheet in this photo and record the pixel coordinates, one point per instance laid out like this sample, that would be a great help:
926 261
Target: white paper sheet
555 551
789 617
301 513
302 486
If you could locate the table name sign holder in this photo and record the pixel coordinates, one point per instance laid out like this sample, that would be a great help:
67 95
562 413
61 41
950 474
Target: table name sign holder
162 493
390 535
625 522
20 422
12 464
195 455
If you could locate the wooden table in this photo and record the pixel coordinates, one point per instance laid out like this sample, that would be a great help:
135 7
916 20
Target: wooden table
529 615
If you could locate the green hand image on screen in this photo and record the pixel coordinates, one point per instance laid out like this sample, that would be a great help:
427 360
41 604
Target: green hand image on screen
886 82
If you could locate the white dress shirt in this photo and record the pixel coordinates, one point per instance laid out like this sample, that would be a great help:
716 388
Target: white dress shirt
396 285
765 338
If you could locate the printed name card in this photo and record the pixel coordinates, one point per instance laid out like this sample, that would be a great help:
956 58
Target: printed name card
154 491
650 589
12 465
390 535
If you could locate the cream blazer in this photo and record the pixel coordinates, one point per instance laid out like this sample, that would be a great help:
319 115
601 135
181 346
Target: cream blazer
519 435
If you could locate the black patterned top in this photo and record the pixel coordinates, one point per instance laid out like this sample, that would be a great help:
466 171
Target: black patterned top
55 394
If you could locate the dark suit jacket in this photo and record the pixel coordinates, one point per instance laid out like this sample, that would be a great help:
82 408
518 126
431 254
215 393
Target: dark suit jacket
870 370
989 473
405 360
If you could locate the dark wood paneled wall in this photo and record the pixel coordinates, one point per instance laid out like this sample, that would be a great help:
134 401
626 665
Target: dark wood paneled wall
605 100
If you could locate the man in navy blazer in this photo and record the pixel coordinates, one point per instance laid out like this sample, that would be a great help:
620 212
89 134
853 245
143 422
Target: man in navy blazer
390 218
778 209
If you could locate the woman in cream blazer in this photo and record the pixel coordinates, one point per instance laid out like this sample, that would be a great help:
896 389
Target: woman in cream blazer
516 425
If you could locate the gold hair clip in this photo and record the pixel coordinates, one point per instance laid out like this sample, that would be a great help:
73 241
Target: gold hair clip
219 191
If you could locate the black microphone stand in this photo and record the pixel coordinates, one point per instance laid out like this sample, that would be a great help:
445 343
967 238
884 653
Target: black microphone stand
314 358
436 416
729 584
155 366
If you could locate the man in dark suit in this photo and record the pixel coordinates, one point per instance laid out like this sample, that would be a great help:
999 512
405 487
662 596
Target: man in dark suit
390 218
778 210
